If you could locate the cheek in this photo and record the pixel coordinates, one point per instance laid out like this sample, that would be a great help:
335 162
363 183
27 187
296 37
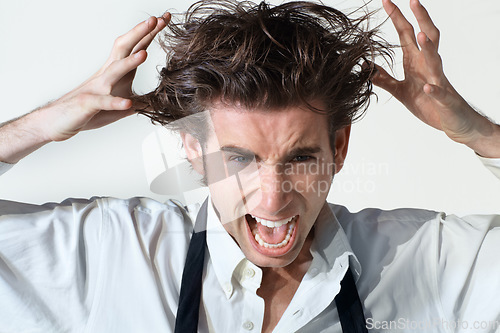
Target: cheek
312 187
234 194
232 199
313 180
226 199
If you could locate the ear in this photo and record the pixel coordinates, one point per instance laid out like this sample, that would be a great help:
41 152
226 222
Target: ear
341 144
194 152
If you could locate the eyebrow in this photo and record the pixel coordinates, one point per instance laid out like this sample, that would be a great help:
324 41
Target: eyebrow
304 151
299 151
237 150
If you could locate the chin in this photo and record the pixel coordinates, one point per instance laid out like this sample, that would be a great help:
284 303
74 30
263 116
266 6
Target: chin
271 262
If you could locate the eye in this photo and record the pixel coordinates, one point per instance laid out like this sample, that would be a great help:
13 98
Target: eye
302 158
240 159
237 163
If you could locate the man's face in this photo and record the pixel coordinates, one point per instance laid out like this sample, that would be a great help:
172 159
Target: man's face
277 167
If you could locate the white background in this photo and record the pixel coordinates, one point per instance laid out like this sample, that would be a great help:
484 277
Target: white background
49 47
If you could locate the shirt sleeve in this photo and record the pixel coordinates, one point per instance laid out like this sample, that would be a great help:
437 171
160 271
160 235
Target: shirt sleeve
468 271
49 257
4 167
492 164
468 268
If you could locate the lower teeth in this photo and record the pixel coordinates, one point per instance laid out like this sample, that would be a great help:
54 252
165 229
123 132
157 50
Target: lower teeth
274 246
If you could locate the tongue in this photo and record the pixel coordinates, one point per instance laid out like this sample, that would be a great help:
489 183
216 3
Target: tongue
272 235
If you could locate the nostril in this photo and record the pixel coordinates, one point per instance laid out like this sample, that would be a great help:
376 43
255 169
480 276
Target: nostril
274 202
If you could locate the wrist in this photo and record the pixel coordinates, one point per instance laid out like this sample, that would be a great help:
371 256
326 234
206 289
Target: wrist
486 142
37 125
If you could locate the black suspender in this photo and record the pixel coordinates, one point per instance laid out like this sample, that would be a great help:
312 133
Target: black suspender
349 306
348 303
190 296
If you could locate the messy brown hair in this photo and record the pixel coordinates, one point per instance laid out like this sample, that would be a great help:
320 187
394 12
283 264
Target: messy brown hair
265 57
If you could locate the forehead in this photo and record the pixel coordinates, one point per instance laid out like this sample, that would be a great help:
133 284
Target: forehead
269 132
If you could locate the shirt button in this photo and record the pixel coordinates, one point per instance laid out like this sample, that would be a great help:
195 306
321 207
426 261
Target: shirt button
248 325
249 273
228 288
314 271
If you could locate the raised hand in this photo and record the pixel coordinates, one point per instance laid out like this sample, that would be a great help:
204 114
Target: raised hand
426 91
104 97
99 101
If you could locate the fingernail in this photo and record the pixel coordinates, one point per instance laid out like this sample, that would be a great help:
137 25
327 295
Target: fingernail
164 17
149 20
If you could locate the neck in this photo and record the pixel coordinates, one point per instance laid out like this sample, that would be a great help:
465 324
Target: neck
279 285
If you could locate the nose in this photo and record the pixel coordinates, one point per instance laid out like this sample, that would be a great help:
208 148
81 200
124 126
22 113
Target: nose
276 190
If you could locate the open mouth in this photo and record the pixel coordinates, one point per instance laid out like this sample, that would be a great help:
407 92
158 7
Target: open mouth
271 237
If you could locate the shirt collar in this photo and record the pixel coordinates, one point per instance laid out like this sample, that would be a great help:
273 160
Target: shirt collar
225 254
330 243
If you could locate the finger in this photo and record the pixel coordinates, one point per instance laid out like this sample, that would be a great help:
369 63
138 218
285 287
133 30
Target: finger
92 104
433 60
119 68
125 43
385 81
403 27
146 41
425 22
107 117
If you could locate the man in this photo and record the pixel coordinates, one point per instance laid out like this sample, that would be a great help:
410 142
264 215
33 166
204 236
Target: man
267 132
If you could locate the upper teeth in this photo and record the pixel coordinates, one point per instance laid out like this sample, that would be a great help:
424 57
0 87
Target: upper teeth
272 224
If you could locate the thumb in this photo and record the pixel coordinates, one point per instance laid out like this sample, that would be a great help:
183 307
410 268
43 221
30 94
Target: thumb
385 81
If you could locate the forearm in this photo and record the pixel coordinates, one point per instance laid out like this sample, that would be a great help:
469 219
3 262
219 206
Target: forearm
486 140
20 137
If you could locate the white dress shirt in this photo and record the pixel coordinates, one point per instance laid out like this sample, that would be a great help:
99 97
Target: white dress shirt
111 265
